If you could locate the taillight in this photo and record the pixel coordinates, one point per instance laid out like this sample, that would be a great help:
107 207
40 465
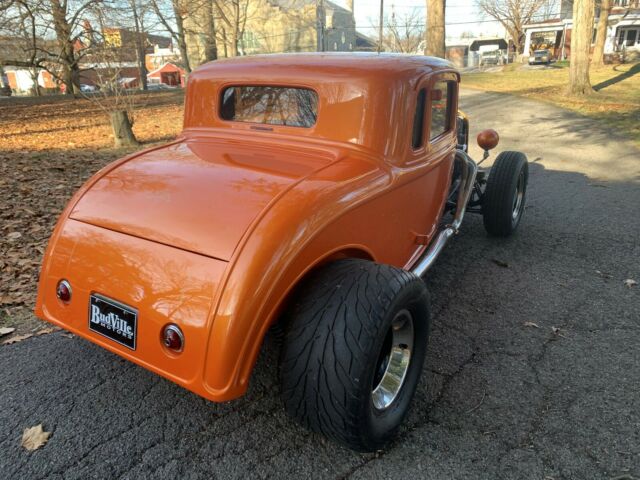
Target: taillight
172 338
63 291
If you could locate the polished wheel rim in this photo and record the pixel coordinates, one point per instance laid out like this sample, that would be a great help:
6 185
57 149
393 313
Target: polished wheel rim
393 361
518 201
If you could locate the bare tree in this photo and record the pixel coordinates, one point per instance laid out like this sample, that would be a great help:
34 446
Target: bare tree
66 16
581 35
601 32
199 25
138 17
113 96
61 56
175 14
435 34
513 15
232 16
403 33
23 24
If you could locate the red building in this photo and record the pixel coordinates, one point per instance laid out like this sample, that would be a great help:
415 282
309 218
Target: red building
169 74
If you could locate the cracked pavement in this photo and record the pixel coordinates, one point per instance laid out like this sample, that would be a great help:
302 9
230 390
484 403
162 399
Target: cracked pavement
504 393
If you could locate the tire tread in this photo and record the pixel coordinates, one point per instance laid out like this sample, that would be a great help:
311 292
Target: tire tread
344 302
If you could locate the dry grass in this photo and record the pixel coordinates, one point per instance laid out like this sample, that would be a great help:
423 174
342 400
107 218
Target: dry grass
616 103
49 147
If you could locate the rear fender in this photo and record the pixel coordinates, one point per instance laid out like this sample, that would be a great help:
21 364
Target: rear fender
303 230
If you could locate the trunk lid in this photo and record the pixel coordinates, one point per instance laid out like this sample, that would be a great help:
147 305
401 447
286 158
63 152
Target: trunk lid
197 195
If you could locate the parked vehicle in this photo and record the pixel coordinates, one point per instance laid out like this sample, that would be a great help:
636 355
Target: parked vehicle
540 56
159 86
492 57
307 193
87 88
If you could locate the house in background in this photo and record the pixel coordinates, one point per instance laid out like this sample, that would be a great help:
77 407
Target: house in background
162 61
364 43
480 51
623 32
21 80
274 26
168 74
162 55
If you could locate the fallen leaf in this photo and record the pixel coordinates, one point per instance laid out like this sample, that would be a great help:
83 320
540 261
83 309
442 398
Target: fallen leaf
630 282
34 437
46 330
603 274
531 324
17 338
14 235
556 331
500 263
6 331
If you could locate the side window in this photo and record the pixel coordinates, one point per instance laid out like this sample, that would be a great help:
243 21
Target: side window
418 120
441 103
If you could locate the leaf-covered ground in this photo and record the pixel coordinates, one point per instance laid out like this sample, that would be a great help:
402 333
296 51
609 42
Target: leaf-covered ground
48 147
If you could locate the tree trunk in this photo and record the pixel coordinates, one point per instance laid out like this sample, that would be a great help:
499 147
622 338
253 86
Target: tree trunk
579 83
182 43
140 45
122 133
211 44
435 28
36 86
66 55
601 34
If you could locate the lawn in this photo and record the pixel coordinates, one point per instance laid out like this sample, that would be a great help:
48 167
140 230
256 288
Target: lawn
49 146
616 102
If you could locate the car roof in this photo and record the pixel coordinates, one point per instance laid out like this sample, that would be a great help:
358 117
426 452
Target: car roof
327 64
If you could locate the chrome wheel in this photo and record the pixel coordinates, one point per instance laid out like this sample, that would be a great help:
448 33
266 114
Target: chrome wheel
518 201
393 361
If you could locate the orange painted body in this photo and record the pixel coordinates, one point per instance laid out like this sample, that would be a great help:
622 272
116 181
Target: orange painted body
213 231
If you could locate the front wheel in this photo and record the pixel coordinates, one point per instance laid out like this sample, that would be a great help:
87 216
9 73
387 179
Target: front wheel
354 347
504 197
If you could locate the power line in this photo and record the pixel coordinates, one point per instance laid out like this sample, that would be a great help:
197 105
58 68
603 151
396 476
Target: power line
376 27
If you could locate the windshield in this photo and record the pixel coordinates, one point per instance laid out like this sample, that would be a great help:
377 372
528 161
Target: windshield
290 106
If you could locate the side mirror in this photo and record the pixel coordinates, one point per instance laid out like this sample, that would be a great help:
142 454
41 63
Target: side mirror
488 139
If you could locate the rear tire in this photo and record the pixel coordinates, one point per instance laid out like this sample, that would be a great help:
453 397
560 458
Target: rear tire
353 352
505 195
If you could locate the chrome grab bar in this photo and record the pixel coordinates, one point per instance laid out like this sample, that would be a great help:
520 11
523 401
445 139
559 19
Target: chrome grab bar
469 172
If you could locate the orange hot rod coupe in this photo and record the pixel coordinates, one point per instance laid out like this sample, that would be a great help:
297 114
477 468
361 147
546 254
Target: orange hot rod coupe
308 192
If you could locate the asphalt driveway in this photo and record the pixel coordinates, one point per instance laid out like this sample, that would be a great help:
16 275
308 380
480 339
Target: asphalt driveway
533 370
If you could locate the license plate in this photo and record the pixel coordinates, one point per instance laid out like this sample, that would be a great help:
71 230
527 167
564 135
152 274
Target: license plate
113 320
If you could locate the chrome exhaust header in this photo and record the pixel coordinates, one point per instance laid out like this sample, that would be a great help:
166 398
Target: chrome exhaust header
469 172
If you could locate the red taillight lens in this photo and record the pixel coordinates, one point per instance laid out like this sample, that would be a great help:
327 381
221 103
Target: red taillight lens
63 291
172 338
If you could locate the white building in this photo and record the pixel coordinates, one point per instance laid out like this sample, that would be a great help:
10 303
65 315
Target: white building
623 31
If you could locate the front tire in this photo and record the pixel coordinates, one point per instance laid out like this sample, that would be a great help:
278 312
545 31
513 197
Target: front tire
504 197
354 347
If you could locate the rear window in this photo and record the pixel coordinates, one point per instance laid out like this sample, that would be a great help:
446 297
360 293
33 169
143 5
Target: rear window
293 107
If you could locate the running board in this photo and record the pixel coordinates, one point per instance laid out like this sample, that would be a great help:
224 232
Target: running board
469 172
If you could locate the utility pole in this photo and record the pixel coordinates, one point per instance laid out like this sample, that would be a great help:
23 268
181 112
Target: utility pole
380 26
320 16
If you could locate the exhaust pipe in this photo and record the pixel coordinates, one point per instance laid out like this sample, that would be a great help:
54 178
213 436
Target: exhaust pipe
469 172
